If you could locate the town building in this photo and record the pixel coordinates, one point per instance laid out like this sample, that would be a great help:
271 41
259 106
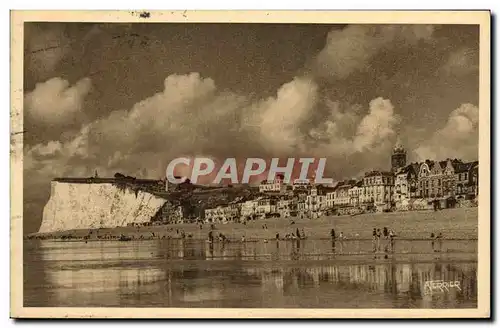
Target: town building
266 206
406 183
342 195
299 184
330 199
447 178
287 207
474 179
436 179
316 200
378 187
466 179
274 186
355 194
249 208
214 214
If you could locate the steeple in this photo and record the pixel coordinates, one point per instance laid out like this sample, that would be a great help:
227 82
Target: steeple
398 157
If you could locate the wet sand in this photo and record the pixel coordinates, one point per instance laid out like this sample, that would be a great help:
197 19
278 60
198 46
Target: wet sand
190 273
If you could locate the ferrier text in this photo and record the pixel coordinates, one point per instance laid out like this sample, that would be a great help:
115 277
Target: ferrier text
432 286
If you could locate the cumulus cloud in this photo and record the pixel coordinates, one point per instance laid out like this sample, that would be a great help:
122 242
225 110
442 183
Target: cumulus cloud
282 116
348 132
377 126
190 117
55 101
458 138
351 49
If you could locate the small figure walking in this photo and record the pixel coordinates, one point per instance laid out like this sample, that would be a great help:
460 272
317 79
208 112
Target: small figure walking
379 236
374 240
391 239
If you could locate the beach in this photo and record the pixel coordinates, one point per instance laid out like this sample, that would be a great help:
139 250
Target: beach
458 223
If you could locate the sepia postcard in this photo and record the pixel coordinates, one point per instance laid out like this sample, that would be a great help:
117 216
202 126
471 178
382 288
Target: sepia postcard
250 164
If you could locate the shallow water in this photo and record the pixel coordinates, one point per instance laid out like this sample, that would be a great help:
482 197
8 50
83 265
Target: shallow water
307 274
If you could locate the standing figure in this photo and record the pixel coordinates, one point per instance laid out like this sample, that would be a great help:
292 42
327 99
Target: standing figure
379 236
391 239
374 240
341 238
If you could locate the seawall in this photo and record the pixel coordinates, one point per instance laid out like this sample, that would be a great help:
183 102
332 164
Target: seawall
104 204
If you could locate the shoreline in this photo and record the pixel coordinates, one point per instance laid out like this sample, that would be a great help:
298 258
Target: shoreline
234 241
454 224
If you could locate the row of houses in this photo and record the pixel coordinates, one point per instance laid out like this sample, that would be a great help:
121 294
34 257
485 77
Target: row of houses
416 186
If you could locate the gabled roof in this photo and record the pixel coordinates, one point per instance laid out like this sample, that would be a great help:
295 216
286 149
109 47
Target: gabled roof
415 167
461 167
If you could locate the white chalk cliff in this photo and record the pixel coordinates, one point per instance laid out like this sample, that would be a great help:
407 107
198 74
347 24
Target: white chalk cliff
96 205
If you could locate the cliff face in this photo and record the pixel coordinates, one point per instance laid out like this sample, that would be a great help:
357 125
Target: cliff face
96 205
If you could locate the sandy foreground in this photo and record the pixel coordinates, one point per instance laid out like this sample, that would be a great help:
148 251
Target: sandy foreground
460 223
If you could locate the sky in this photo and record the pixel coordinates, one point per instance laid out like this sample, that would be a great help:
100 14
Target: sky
131 97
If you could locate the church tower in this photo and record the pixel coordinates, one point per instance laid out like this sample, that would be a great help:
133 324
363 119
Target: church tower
398 158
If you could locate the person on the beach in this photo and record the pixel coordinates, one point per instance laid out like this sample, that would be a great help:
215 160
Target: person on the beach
440 241
298 233
379 236
211 236
391 239
242 239
332 234
277 236
303 235
385 232
341 236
